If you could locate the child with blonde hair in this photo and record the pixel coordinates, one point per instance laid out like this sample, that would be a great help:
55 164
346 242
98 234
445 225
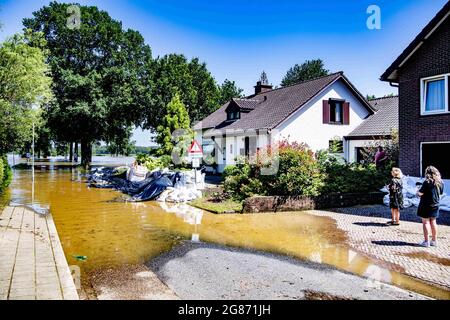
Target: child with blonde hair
395 188
430 195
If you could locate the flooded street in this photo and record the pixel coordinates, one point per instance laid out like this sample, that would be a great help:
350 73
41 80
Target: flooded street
98 230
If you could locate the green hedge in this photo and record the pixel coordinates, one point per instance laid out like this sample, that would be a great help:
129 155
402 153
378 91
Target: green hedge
300 172
5 173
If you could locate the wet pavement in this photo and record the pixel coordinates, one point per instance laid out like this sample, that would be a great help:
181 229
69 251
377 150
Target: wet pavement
368 233
201 271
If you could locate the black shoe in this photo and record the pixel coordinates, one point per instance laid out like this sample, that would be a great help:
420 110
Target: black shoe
390 223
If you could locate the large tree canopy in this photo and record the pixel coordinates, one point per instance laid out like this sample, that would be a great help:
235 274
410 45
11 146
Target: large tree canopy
101 72
228 91
308 70
24 82
191 80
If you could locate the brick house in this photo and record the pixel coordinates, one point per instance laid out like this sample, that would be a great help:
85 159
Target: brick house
422 74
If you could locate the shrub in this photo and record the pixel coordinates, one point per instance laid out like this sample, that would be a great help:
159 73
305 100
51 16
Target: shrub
5 173
298 171
240 181
297 174
153 163
301 173
342 177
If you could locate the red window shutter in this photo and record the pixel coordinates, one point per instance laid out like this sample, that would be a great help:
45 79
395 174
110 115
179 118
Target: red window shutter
346 112
326 112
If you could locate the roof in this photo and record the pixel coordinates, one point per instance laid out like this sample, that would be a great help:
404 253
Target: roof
382 122
391 74
270 108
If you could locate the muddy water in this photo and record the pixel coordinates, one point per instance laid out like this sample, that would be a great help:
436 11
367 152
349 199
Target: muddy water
109 233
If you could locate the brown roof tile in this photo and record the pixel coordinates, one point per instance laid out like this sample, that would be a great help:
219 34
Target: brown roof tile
270 108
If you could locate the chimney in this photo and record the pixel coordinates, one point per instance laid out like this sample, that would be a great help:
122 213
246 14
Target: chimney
260 87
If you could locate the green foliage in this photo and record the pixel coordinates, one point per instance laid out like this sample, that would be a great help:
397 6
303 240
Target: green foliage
228 91
24 82
102 75
310 69
342 177
298 174
176 118
197 88
225 206
301 173
240 181
153 163
5 173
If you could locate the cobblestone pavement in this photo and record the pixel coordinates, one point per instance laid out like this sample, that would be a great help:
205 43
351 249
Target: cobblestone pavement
368 233
32 264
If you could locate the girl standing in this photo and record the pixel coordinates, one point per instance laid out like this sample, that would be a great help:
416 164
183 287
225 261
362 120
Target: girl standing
395 196
428 210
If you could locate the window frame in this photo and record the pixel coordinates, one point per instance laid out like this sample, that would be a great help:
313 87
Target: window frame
423 94
332 105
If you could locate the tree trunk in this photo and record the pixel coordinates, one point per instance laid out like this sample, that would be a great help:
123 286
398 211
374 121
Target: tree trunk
71 152
86 154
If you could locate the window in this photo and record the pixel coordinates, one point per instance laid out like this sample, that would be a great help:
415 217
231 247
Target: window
336 111
434 95
233 115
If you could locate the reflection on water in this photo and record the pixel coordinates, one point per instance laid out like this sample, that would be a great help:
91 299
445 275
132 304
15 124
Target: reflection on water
111 233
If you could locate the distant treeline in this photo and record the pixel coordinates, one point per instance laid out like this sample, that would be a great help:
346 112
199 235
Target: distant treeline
106 150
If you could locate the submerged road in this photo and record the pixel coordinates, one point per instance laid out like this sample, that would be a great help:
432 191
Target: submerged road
204 271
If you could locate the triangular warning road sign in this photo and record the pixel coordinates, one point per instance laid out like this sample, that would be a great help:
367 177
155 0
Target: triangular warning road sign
195 148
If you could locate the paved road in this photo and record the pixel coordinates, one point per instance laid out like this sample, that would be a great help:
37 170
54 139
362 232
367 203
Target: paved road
206 271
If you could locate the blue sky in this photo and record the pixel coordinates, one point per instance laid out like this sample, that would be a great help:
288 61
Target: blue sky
239 39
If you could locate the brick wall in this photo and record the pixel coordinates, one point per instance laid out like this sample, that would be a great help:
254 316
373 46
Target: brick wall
279 204
433 58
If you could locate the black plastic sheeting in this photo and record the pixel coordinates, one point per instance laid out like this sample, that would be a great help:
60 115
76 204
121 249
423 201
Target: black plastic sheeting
149 189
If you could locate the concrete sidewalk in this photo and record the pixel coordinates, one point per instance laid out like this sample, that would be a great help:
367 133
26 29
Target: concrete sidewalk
32 264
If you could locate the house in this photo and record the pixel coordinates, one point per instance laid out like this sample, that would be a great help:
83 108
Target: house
317 112
422 74
376 128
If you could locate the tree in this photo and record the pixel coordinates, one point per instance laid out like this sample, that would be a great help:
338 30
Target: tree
24 82
176 118
102 75
310 69
193 82
263 78
228 91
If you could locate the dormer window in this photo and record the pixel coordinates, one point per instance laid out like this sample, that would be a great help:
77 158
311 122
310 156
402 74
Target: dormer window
233 115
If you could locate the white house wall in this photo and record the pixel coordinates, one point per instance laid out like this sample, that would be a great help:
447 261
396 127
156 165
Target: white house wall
306 125
350 148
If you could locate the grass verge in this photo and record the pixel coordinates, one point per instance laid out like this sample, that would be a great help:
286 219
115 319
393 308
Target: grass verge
226 206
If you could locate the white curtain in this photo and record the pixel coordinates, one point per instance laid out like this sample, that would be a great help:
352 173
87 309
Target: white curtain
435 99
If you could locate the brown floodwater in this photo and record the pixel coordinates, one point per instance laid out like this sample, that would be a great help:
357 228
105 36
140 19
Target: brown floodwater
109 233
